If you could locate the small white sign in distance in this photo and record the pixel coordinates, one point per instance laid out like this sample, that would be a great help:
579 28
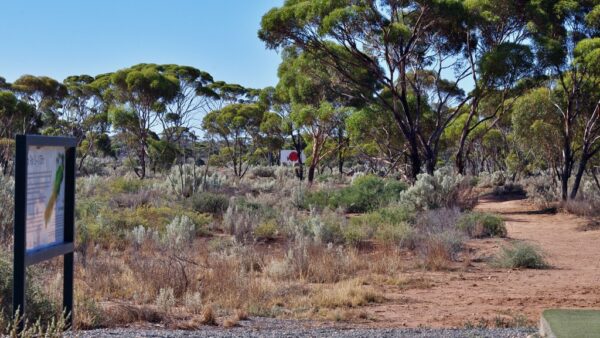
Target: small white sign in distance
45 197
290 157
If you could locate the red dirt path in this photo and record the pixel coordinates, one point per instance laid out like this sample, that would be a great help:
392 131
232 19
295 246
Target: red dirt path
479 291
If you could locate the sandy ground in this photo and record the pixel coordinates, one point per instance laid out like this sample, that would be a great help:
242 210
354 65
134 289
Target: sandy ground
478 291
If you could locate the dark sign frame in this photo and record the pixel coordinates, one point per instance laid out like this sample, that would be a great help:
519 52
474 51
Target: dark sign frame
22 257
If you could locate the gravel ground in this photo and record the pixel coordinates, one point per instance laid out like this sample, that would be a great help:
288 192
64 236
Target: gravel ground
269 327
324 332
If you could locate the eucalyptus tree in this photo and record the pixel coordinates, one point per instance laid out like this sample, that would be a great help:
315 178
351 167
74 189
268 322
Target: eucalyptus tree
138 97
318 98
566 36
15 117
237 128
83 116
498 56
376 139
278 102
44 94
194 98
406 46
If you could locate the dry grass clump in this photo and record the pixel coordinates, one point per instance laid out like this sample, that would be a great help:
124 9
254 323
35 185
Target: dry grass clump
121 313
346 294
581 207
208 316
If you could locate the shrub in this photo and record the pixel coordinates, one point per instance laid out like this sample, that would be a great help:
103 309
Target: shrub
326 227
266 230
443 189
317 199
39 305
184 180
126 185
480 225
521 255
96 165
263 171
366 193
207 202
581 207
509 188
7 187
165 299
391 224
437 237
240 222
542 190
181 231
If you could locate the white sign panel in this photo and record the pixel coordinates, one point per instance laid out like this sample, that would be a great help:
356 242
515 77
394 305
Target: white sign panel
45 196
290 157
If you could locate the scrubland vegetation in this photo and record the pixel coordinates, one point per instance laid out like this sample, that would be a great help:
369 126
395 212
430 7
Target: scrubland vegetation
407 111
239 247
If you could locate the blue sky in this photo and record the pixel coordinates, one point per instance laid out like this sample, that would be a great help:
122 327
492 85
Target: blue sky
69 37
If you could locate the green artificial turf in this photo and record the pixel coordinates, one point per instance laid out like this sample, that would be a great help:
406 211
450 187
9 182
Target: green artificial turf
573 323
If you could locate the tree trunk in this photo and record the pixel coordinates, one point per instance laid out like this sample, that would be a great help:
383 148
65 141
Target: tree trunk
579 175
415 158
311 174
430 162
460 157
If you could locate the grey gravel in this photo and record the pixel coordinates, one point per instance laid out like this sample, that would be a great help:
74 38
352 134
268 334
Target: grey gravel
269 327
324 332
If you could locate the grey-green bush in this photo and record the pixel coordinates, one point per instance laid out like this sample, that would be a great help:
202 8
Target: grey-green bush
521 255
211 203
481 225
7 187
39 306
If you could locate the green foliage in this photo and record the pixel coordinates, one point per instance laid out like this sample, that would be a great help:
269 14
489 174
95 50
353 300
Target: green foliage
126 185
39 305
366 193
480 225
391 224
266 230
7 198
521 255
233 125
265 172
208 202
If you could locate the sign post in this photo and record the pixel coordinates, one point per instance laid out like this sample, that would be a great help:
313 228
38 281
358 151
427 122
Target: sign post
44 224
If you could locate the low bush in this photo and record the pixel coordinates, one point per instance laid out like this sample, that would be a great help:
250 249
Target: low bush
437 238
542 190
366 193
391 225
263 172
126 185
480 225
7 187
210 203
39 305
326 227
266 230
582 207
181 231
509 188
521 255
443 189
